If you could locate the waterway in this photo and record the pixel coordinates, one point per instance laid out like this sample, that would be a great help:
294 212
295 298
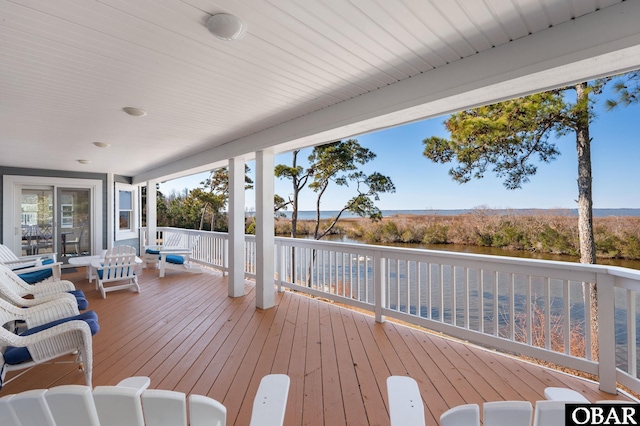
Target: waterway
494 251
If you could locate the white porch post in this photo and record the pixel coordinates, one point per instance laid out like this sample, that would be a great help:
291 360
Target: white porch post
265 291
152 214
111 206
236 227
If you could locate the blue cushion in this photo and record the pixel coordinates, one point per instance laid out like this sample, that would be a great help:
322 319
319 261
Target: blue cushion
81 299
36 276
175 259
16 355
151 251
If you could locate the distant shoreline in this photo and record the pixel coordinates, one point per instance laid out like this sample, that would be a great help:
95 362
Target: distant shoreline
619 212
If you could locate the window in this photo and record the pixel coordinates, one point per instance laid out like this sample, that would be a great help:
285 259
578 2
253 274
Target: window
126 218
126 210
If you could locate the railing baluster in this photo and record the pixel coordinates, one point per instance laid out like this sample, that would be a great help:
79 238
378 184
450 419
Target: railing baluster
481 300
466 298
567 317
512 307
632 348
496 330
547 313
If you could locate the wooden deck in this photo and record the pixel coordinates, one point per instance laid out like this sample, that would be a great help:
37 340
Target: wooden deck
186 335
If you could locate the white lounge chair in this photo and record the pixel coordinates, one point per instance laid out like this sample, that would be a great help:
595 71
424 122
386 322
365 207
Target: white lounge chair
13 289
31 269
54 329
405 402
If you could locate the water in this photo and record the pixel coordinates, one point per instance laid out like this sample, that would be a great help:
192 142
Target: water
311 214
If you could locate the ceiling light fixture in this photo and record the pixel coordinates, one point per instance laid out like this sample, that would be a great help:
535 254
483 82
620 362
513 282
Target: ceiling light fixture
226 27
84 161
102 144
136 112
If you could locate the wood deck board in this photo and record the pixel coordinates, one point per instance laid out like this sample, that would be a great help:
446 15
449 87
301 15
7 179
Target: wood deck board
186 335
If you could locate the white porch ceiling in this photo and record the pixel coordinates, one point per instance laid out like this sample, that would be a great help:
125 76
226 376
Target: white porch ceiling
306 72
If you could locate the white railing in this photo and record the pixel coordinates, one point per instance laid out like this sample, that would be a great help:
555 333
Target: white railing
529 307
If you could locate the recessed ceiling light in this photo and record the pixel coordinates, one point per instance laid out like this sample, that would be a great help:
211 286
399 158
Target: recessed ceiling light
136 112
226 27
102 144
84 161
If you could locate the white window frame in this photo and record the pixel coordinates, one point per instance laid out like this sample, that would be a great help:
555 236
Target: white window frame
132 231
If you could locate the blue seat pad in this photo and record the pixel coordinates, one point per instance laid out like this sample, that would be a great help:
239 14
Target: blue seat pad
83 303
175 259
36 276
152 251
16 355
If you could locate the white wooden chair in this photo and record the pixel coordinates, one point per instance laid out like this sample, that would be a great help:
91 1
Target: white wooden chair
549 413
507 413
130 403
54 329
564 394
270 402
13 289
152 252
31 269
179 258
119 264
72 405
462 415
405 402
32 409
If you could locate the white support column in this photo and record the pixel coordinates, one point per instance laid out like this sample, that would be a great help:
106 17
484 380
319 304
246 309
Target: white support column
152 215
111 206
236 227
265 238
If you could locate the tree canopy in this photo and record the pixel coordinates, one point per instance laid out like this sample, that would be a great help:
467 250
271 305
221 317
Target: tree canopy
336 163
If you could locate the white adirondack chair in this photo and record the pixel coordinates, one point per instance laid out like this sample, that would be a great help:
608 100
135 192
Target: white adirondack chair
119 264
131 403
179 258
507 413
405 402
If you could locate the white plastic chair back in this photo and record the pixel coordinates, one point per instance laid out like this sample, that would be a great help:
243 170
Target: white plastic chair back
205 411
462 415
507 413
7 415
118 406
405 402
564 394
31 408
270 402
72 405
549 413
164 408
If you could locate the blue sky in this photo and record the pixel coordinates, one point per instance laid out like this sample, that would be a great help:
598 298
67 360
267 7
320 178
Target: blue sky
422 184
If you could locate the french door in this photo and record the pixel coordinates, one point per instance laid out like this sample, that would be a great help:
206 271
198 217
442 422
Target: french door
47 215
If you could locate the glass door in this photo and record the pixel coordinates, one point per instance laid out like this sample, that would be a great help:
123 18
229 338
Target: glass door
36 221
74 224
